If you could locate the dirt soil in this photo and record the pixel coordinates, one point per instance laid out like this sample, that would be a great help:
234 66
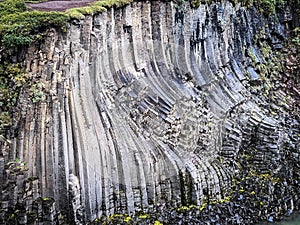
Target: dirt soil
59 5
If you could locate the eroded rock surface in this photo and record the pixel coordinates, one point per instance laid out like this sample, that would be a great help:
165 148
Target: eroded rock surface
152 104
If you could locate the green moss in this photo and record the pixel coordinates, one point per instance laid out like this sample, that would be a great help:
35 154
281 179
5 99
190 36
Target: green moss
296 37
5 119
144 216
37 94
12 78
97 220
186 208
246 3
251 55
12 6
127 219
18 29
95 7
79 13
114 3
22 28
267 6
195 3
203 206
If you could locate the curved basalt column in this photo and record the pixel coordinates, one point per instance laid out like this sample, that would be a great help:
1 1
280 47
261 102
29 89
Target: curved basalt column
141 104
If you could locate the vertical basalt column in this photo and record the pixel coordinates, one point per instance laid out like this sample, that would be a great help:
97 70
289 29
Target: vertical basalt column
144 105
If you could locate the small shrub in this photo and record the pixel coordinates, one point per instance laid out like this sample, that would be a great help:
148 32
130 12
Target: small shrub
5 120
12 78
20 28
79 13
12 6
14 40
95 7
268 6
37 93
195 3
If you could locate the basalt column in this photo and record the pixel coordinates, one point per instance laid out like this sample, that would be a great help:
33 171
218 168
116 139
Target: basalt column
146 104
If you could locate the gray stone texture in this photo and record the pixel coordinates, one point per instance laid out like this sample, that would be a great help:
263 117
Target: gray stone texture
145 104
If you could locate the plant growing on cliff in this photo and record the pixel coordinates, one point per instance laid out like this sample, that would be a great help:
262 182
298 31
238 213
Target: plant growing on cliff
5 120
95 7
19 27
12 78
195 3
12 6
37 93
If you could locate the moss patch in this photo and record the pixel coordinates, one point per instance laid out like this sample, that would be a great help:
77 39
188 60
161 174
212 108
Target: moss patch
95 7
19 29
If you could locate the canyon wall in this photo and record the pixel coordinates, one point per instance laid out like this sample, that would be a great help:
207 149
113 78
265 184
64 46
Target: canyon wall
148 104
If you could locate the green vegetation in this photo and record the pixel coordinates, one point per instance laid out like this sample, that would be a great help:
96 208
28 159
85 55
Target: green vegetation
5 120
19 27
195 3
12 78
296 38
122 218
267 7
144 216
96 7
16 166
78 13
127 219
37 93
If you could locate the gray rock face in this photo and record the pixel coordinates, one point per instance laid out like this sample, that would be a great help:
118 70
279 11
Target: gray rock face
144 105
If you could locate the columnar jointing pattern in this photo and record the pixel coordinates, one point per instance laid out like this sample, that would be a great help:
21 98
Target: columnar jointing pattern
140 103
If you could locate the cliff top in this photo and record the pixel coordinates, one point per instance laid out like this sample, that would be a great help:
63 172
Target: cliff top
266 6
22 23
59 5
64 5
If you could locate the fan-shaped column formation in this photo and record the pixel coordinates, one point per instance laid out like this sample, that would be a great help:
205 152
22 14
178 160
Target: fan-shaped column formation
141 102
